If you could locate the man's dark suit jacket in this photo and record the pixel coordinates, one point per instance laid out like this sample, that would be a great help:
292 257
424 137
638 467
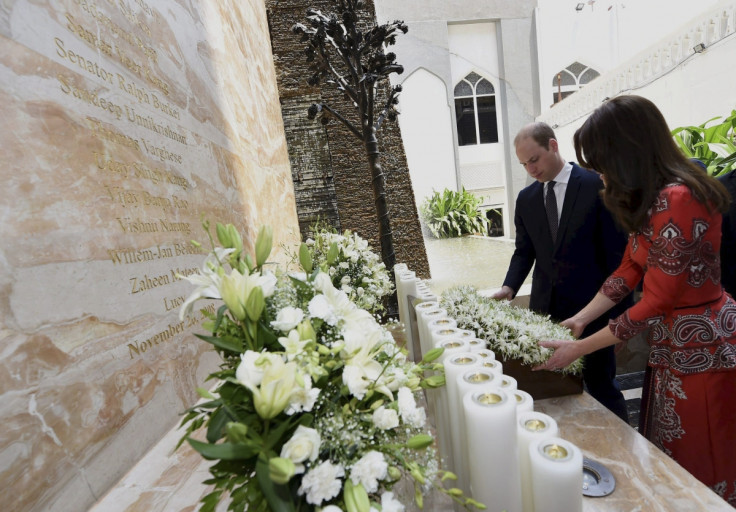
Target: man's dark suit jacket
589 247
728 241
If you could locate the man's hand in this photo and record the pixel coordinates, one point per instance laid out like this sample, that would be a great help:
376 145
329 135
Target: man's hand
504 293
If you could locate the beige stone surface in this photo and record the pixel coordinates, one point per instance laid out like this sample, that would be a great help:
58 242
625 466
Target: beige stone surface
646 478
124 123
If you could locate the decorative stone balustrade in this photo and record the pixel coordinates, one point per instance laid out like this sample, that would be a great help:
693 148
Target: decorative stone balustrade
709 29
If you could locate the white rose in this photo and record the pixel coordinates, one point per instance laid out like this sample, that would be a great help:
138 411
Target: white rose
288 318
248 373
303 446
385 419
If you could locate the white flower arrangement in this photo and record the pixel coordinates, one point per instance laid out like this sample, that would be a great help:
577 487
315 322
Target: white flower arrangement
352 266
315 406
510 331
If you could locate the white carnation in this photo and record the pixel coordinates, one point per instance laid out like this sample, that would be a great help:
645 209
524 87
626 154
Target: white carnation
390 504
322 482
319 307
385 419
371 468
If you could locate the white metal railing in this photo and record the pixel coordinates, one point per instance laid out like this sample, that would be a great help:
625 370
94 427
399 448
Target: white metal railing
649 65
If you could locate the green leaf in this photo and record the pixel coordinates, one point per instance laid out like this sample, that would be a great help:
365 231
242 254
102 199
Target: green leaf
223 451
278 496
228 343
217 424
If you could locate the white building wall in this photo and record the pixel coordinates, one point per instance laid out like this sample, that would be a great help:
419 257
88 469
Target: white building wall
426 128
689 88
474 48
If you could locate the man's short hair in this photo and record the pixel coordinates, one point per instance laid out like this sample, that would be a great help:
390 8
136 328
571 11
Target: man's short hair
541 133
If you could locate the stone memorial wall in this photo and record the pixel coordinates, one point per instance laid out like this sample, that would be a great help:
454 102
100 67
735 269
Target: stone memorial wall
124 123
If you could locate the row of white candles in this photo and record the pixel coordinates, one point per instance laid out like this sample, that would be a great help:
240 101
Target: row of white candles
505 455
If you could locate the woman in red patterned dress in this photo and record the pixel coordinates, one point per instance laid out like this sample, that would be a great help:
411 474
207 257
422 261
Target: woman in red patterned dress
673 211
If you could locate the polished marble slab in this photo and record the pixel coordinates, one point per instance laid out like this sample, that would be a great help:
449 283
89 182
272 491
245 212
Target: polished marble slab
647 480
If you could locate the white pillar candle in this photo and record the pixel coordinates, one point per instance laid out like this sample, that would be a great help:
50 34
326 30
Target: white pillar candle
507 383
467 333
557 475
455 366
428 296
490 423
477 344
405 286
473 379
424 316
438 397
494 366
524 402
441 329
400 266
532 426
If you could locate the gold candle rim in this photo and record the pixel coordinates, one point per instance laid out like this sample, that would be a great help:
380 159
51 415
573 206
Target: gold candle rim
478 377
555 451
536 425
488 398
451 344
463 359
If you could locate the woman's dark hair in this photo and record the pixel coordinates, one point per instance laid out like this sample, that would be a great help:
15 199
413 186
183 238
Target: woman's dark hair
627 140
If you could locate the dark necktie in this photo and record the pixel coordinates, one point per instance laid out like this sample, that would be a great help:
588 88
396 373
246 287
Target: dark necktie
551 206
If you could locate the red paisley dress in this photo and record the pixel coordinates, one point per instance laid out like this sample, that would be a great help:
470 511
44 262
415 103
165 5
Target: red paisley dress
689 397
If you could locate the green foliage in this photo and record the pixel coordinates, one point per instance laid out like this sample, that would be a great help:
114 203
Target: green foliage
714 145
450 214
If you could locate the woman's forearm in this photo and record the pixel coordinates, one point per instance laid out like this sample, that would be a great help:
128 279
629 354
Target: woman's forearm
595 308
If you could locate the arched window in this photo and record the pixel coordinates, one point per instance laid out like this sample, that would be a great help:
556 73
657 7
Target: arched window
475 111
570 80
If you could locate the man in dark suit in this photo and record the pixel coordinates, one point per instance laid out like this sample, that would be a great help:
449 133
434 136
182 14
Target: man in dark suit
563 227
728 240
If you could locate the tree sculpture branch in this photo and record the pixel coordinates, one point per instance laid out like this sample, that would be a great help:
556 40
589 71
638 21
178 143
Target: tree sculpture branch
349 52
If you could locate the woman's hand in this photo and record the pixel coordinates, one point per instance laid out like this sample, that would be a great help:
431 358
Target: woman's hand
565 352
576 326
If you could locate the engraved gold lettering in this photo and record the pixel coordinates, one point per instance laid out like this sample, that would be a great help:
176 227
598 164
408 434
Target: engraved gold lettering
150 200
112 134
136 349
89 97
129 225
182 249
118 32
180 203
130 255
123 196
175 273
164 107
161 153
141 284
88 36
174 303
150 124
110 165
137 92
89 66
182 227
